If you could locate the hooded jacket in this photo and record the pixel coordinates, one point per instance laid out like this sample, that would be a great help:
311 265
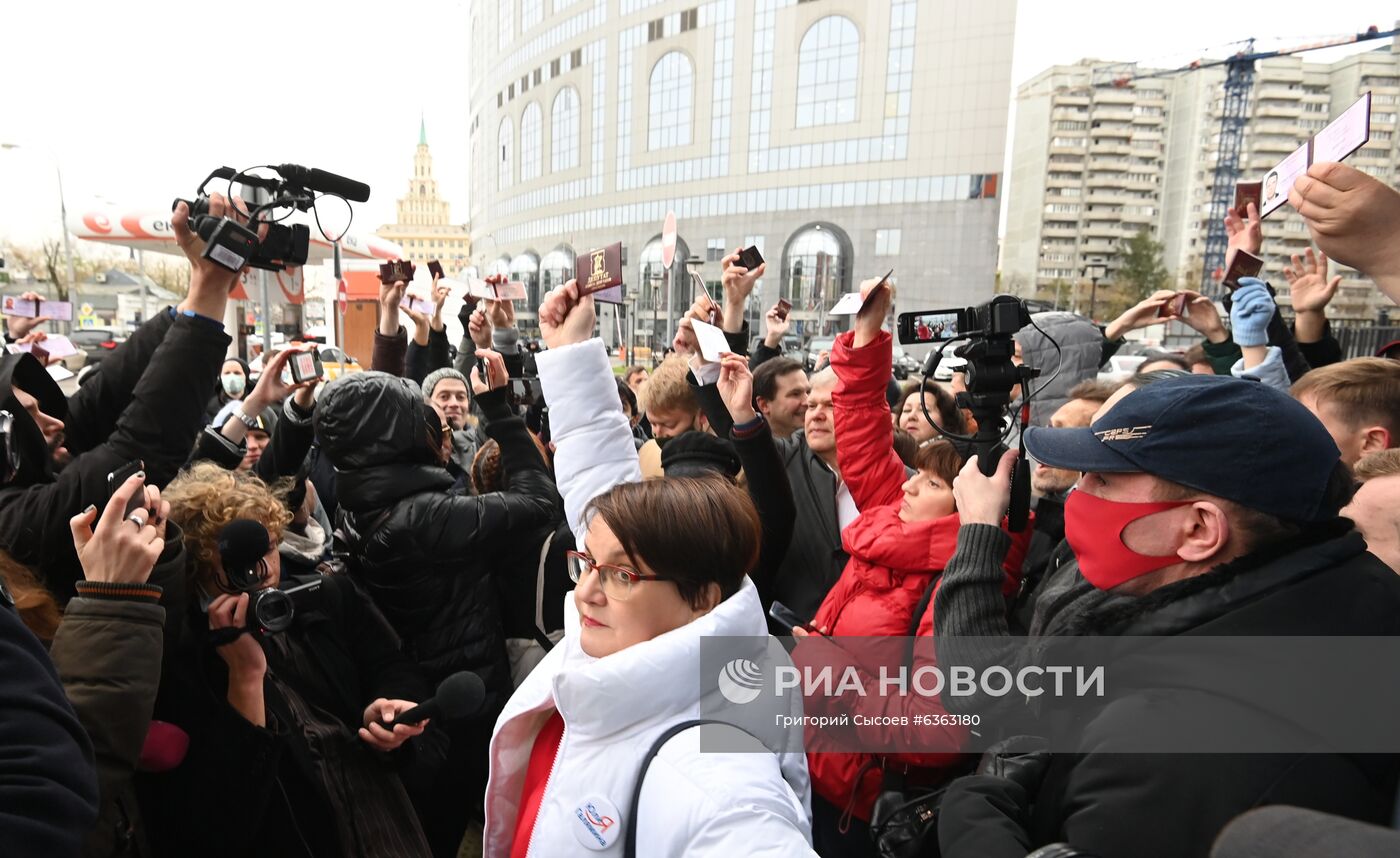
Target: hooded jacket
1077 358
893 562
147 403
1174 804
424 554
614 708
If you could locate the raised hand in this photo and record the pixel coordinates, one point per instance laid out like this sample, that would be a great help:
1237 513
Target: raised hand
878 297
566 317
778 325
210 282
1308 283
479 328
390 297
738 283
1353 219
1202 317
1141 315
1245 233
440 295
19 326
736 387
122 550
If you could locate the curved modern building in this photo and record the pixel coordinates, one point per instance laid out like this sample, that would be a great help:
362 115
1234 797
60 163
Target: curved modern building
842 138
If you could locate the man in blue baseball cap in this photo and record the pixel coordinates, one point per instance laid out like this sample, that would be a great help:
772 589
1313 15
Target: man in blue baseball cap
1212 504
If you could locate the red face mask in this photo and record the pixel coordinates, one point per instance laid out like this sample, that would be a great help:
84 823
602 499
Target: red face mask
1094 528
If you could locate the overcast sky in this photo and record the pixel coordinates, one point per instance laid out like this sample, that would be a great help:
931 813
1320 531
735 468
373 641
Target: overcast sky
139 101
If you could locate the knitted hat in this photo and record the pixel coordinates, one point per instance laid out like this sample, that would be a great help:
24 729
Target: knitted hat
431 382
694 453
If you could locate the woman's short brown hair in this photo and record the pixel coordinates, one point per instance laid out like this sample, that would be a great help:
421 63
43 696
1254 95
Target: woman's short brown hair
692 531
939 457
205 498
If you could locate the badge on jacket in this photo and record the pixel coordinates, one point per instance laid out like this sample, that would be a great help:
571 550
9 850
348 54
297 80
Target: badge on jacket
598 823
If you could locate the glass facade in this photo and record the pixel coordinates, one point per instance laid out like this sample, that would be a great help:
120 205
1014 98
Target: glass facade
530 143
814 267
557 268
526 269
670 96
827 70
563 136
505 142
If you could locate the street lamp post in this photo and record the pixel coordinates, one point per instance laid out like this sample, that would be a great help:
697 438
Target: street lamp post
63 218
1093 272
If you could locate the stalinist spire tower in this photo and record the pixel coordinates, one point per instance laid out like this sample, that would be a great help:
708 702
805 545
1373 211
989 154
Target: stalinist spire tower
424 228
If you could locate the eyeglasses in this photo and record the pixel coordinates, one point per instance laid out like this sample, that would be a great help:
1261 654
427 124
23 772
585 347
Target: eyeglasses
616 581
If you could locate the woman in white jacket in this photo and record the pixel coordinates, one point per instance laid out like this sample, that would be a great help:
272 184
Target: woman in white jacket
661 564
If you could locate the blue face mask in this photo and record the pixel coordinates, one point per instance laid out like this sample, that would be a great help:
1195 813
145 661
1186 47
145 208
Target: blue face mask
233 383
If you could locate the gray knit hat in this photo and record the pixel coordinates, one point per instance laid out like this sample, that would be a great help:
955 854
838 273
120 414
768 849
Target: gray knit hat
435 376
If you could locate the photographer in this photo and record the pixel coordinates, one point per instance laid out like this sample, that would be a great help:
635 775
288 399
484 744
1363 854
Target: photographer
147 403
252 437
426 555
108 652
1211 534
899 545
284 729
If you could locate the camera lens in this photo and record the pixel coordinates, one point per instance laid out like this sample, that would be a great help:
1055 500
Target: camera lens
272 609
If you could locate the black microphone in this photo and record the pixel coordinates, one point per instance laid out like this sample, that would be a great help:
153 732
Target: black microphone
460 695
319 180
242 544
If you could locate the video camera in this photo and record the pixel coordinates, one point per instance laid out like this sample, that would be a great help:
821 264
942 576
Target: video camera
991 376
242 545
233 245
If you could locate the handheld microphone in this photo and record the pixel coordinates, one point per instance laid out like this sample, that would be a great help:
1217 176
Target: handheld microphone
319 180
460 695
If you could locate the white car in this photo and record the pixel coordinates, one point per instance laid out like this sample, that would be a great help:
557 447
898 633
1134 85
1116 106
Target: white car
1121 367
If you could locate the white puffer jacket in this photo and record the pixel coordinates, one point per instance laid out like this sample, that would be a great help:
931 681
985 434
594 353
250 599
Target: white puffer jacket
693 803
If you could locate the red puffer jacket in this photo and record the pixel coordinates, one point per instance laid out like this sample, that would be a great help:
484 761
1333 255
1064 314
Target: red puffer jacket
892 563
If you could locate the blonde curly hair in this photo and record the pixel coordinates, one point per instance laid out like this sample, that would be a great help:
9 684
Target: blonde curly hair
205 498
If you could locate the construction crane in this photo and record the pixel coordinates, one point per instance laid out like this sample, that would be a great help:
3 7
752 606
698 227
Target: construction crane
1239 80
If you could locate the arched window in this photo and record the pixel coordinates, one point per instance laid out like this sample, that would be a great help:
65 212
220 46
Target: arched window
654 273
526 268
671 93
530 142
814 267
563 131
505 141
827 67
505 18
500 266
422 189
557 268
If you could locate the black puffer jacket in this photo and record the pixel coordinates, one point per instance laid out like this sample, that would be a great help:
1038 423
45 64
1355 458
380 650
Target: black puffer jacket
423 553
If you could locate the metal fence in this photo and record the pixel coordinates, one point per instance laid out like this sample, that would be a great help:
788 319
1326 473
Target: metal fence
1364 342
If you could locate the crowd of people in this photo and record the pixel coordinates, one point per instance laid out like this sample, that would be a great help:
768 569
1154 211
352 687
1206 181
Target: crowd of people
231 597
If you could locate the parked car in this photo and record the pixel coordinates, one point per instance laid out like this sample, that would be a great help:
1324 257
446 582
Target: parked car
905 364
815 347
95 343
1120 367
330 362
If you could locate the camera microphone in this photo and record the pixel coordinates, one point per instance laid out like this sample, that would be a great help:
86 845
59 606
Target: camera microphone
319 180
460 695
242 544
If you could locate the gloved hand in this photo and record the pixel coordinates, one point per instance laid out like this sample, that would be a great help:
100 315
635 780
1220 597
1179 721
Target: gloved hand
1020 759
1250 313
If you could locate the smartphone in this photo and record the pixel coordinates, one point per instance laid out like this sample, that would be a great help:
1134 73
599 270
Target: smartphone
1245 264
932 326
306 366
435 269
1245 193
121 475
750 258
784 307
788 618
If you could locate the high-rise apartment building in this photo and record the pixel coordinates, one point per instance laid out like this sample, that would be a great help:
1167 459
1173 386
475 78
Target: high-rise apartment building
1053 236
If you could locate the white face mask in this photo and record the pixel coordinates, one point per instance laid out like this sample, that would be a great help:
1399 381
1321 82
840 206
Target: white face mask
234 383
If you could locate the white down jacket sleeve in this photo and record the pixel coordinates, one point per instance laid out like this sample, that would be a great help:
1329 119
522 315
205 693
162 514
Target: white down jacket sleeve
593 441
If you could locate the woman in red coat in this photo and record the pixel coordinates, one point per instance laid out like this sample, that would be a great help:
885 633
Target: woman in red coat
905 535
